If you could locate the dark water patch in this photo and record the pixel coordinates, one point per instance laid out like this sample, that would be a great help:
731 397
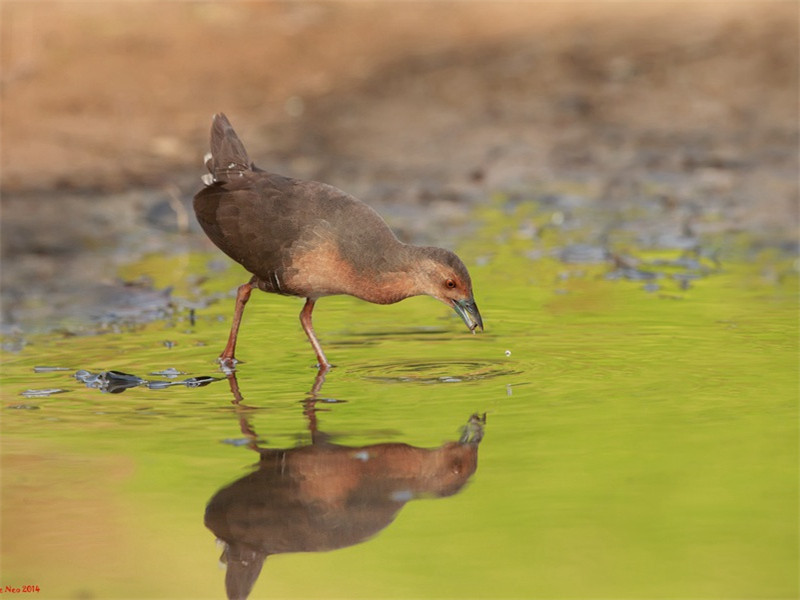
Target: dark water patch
632 274
115 382
375 334
682 269
583 254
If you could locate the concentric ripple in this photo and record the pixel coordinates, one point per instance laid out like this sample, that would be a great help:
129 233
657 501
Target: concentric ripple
454 371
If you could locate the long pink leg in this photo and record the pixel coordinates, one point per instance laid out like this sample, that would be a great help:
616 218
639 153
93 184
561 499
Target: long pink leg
305 321
227 359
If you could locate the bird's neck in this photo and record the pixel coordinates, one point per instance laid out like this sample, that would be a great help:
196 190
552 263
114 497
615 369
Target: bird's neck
403 276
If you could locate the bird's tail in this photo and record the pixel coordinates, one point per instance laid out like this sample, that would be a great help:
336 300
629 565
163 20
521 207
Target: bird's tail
228 158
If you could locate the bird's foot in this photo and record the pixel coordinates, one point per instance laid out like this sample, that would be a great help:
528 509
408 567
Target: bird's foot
324 366
227 364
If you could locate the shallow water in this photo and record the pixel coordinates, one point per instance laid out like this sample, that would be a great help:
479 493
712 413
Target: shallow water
640 439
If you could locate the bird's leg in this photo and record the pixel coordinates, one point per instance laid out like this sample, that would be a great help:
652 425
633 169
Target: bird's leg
305 321
226 359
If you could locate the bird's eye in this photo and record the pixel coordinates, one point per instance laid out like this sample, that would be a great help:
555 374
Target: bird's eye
450 283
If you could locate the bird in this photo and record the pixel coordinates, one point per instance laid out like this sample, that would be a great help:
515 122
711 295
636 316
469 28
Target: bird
310 239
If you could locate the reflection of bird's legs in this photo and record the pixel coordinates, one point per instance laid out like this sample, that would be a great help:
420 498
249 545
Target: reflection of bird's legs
244 425
309 409
237 395
318 381
309 406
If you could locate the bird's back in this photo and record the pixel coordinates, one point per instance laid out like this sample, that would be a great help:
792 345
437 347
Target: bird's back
297 237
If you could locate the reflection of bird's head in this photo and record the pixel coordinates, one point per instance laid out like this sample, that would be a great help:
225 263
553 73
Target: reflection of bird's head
450 468
243 566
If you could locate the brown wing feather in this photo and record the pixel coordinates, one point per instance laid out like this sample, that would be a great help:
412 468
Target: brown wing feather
266 222
246 222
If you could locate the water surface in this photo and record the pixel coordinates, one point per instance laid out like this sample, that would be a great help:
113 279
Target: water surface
640 437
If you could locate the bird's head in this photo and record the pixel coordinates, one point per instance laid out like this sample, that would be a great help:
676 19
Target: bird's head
443 276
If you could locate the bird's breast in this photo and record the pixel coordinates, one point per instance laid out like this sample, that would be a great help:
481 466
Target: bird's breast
323 270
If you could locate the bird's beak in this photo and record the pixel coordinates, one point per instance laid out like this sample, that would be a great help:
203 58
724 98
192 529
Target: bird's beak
468 311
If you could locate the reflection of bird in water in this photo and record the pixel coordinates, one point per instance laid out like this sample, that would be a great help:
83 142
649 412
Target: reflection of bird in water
309 239
324 496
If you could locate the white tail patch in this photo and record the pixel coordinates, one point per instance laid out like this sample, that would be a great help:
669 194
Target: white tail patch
208 178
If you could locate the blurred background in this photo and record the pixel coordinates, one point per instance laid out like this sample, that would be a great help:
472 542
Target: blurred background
621 179
421 109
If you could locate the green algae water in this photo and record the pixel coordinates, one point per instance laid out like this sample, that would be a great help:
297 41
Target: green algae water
640 435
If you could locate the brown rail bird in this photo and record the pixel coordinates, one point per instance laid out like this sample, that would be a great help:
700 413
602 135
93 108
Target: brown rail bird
310 239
